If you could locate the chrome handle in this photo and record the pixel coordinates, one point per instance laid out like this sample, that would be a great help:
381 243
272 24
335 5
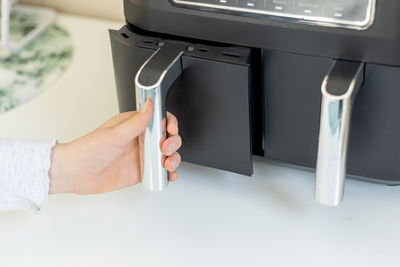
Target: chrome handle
339 89
154 79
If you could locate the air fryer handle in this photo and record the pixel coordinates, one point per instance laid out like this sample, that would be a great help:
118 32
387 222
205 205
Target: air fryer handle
154 79
339 90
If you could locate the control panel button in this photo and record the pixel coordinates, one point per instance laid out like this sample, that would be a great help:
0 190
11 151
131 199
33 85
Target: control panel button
278 5
345 10
308 7
251 4
216 3
226 2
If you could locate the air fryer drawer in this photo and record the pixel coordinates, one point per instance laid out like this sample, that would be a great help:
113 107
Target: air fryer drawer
211 100
292 116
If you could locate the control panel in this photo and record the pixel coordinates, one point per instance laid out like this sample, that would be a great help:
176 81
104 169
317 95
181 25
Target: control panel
354 14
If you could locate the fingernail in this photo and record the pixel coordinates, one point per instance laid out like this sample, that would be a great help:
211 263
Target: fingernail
171 148
144 108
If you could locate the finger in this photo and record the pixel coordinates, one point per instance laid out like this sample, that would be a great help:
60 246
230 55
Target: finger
172 124
172 162
163 138
118 119
171 145
163 158
136 124
173 176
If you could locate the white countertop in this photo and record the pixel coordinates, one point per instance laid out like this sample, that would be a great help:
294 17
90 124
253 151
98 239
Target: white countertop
208 218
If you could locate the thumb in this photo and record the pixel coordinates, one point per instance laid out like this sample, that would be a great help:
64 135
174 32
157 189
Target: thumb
137 124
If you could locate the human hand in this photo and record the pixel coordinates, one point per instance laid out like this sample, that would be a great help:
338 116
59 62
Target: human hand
108 158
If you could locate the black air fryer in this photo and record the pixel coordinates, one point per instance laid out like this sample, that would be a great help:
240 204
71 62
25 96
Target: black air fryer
312 83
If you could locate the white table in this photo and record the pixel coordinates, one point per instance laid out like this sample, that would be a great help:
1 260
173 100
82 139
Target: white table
208 218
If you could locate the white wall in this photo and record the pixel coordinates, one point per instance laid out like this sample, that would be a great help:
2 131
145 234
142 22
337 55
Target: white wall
109 9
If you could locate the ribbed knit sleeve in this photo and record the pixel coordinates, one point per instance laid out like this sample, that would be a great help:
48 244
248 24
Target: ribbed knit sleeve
24 174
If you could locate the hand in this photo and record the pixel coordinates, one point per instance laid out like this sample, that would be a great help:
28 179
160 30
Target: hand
108 159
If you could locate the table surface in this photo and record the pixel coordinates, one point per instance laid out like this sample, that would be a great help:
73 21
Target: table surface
208 218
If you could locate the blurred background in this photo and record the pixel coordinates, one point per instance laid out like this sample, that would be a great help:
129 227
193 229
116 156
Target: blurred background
107 9
35 51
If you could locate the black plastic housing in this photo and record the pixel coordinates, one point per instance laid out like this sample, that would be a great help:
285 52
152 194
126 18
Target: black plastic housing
267 101
292 85
378 44
212 100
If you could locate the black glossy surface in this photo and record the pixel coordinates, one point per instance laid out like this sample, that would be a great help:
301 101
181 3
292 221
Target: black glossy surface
343 12
341 77
379 44
158 64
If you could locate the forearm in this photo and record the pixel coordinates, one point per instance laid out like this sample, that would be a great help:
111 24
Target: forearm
104 160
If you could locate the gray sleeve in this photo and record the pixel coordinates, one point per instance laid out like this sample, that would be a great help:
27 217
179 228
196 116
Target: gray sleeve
24 174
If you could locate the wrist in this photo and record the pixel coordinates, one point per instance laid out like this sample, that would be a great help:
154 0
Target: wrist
61 172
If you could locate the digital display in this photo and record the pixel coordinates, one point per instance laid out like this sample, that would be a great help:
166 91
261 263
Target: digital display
356 14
